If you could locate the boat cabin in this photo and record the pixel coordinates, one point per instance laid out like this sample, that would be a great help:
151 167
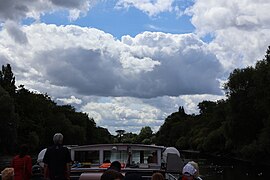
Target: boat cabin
90 161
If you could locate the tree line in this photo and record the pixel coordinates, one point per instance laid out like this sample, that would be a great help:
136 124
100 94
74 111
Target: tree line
238 126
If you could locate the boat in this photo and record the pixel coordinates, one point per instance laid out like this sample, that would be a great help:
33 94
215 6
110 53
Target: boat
90 161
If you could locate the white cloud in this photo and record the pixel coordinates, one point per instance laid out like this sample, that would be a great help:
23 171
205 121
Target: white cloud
150 7
240 28
71 100
120 112
92 62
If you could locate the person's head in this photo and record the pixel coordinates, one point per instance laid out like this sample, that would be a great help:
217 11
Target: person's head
23 150
111 175
36 170
157 176
58 138
190 170
115 165
133 176
8 174
196 166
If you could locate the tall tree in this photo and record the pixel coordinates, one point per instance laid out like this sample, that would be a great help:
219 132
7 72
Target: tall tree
7 79
120 133
8 122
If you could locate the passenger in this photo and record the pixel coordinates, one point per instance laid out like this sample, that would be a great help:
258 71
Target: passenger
157 176
133 176
22 164
57 160
191 171
112 175
152 158
37 173
115 166
7 174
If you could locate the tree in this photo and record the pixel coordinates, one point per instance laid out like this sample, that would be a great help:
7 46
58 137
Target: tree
7 79
145 135
8 122
119 135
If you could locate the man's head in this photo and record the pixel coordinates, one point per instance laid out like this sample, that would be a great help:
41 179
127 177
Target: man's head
36 170
115 165
58 138
111 175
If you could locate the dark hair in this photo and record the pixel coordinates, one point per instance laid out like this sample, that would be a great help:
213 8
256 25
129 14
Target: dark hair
111 175
23 150
115 165
157 176
133 176
36 170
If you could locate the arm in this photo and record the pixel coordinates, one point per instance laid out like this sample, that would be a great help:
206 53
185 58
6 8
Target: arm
68 170
29 166
46 171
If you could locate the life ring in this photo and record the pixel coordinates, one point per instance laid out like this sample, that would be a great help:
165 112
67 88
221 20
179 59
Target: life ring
105 165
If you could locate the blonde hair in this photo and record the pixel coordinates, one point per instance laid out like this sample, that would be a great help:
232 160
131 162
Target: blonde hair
7 174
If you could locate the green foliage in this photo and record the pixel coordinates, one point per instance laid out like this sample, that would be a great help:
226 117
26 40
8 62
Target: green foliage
7 79
8 122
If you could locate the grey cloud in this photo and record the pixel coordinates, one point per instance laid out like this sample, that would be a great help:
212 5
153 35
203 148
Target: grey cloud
190 69
84 70
69 3
18 9
13 9
16 33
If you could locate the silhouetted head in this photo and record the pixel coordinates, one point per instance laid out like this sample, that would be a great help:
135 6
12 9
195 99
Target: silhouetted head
111 175
23 150
115 165
36 170
132 176
58 138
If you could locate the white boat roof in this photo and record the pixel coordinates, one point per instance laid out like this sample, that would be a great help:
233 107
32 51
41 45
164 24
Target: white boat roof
106 146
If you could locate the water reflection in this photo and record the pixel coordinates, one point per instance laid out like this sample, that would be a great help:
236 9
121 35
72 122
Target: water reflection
224 169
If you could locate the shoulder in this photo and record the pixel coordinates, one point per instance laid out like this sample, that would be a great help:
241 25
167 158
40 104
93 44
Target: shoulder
16 157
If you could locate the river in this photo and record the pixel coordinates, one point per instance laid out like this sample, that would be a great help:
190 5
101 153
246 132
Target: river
218 168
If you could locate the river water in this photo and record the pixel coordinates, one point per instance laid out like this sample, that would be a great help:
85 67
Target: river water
218 168
211 168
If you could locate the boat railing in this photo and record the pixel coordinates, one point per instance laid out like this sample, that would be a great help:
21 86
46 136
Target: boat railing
170 176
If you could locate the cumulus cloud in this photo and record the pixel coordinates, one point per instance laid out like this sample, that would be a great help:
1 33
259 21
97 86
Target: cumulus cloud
240 29
94 63
122 112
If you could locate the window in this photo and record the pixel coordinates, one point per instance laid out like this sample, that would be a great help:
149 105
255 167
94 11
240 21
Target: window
87 157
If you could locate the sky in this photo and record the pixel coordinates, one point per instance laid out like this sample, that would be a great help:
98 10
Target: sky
131 63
